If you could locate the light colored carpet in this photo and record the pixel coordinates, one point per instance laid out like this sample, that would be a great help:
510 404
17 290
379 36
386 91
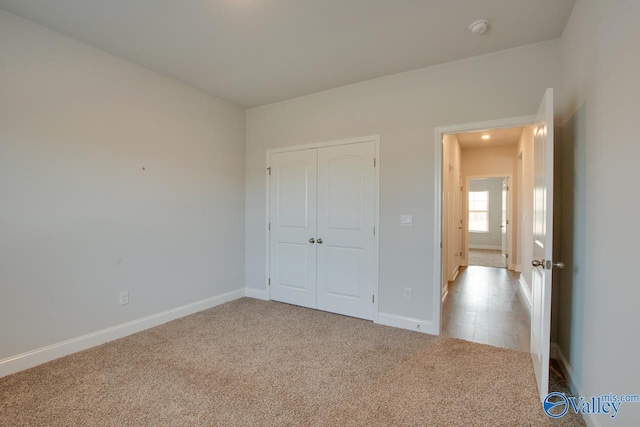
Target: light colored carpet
250 363
486 258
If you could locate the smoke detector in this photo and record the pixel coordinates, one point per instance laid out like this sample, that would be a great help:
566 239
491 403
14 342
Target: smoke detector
479 27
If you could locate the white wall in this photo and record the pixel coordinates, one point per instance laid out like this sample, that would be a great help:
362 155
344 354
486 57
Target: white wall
79 218
403 109
599 286
493 238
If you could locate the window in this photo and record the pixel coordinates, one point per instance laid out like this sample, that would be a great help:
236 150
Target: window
479 211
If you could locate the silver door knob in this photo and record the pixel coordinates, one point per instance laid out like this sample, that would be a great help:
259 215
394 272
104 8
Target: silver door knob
319 241
537 263
559 265
312 240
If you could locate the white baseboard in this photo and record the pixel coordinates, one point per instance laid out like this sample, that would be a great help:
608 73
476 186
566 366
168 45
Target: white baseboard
257 294
409 323
42 355
565 367
490 247
524 287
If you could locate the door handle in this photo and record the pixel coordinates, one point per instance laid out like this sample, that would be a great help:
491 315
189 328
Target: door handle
319 241
312 240
547 264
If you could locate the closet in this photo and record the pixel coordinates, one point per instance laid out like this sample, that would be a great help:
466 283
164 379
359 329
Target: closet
321 228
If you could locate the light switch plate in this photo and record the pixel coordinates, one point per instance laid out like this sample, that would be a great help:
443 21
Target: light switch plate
406 220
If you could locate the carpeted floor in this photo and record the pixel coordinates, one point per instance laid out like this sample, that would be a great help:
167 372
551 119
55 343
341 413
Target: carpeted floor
487 258
249 363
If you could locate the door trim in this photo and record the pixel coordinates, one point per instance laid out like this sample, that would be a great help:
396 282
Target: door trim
376 244
439 133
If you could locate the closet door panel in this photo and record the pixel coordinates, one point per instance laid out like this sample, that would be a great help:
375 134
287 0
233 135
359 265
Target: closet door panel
293 187
346 209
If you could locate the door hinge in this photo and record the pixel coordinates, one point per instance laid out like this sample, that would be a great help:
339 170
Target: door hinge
506 255
440 245
507 222
373 298
269 281
374 162
269 170
374 231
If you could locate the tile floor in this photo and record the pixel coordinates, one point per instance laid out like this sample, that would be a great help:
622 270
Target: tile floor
485 305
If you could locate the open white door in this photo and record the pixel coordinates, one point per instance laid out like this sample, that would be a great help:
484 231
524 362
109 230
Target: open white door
542 243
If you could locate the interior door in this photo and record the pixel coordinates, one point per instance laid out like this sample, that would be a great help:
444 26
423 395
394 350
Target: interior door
345 244
503 223
542 243
293 187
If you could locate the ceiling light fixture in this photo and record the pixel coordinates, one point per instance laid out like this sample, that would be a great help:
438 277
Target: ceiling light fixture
479 27
485 137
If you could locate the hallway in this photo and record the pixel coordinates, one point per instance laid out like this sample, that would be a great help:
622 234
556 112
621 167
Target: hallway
485 305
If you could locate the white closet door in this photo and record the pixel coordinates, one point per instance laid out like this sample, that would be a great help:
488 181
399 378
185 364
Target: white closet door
293 223
346 190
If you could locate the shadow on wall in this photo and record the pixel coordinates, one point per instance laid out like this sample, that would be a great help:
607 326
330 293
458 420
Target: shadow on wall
572 174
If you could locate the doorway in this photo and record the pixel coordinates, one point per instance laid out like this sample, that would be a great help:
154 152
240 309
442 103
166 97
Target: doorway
488 212
482 299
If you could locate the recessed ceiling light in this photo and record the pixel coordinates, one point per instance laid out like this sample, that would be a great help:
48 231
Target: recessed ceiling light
485 137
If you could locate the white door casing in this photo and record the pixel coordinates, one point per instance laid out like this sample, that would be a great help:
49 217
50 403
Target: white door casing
292 266
345 245
542 243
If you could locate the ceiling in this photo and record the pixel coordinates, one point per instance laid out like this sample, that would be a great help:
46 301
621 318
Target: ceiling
254 52
505 136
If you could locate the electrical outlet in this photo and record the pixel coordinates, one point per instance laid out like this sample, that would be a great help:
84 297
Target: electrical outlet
124 297
408 293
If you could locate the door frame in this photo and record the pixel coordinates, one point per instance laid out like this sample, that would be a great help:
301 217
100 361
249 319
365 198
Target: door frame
465 214
439 133
376 244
